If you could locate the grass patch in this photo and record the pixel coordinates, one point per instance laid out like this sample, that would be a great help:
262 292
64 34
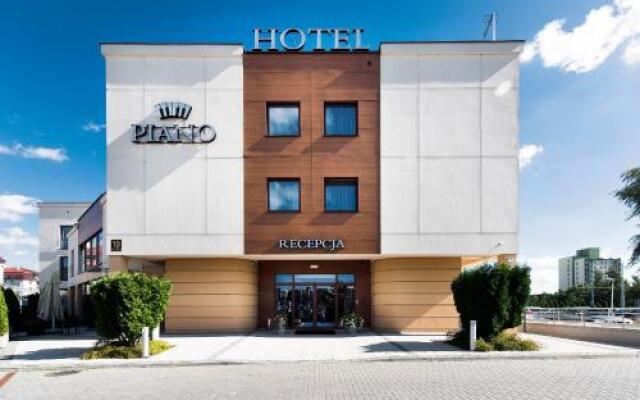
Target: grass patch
114 350
506 342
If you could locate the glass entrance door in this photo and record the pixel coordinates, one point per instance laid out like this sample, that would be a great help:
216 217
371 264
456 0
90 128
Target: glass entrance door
325 297
304 305
319 300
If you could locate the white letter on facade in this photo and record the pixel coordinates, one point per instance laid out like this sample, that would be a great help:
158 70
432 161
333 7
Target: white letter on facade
258 38
339 38
287 32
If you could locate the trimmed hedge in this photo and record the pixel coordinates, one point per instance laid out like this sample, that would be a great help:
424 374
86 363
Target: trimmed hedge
4 315
492 295
13 306
124 303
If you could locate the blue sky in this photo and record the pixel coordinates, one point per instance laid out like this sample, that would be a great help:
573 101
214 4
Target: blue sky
579 107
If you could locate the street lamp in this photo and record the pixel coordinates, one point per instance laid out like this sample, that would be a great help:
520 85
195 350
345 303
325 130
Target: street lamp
612 282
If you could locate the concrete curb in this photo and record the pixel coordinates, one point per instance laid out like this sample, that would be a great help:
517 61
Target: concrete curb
462 356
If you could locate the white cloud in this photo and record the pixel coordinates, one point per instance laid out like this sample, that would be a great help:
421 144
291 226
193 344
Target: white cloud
632 52
527 153
93 127
13 207
19 253
16 236
43 153
589 44
544 273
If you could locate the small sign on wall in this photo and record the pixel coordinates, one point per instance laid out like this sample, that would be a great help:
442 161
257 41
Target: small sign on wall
116 245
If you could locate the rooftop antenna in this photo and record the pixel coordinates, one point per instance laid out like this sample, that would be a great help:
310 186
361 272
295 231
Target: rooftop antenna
490 22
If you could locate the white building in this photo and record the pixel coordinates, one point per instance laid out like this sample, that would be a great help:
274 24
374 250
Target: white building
56 219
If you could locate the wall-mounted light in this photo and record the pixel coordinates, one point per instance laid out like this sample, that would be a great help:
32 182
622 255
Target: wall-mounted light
313 266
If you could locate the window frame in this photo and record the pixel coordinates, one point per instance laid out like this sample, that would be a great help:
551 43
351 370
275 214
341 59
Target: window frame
95 260
64 241
283 104
284 179
60 268
357 199
324 120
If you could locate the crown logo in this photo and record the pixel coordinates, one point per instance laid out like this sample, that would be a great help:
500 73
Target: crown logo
173 109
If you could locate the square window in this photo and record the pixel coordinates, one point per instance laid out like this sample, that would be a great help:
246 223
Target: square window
340 119
284 194
283 119
341 195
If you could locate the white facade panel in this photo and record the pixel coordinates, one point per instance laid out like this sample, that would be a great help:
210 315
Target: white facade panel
499 119
225 199
167 199
450 122
399 195
465 128
402 110
449 195
499 194
449 71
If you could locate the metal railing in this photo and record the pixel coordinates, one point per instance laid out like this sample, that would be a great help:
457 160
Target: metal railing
586 316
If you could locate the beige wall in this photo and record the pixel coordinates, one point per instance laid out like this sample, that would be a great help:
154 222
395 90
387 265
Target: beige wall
213 295
414 294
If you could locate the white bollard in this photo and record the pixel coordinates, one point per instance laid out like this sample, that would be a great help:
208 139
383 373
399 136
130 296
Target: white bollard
145 342
155 333
472 335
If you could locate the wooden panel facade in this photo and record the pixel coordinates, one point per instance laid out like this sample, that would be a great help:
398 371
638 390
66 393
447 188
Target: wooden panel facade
311 80
414 294
214 295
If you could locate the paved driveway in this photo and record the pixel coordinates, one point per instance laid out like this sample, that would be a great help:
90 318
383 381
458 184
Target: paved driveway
479 379
267 347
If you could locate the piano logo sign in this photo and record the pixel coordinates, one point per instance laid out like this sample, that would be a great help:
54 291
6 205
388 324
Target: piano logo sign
175 132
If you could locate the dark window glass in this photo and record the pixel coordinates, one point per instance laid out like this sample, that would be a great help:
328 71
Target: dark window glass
64 231
64 268
315 278
284 195
72 262
340 119
91 254
283 119
284 278
346 278
341 195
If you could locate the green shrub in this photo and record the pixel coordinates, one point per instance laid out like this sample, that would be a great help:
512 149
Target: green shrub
116 351
125 303
492 295
4 315
13 306
507 342
482 345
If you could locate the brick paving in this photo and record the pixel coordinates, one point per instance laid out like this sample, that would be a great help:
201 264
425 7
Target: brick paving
613 378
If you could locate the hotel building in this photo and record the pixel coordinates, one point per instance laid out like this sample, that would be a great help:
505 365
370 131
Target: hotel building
311 183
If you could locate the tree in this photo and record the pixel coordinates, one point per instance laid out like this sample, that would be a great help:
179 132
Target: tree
630 196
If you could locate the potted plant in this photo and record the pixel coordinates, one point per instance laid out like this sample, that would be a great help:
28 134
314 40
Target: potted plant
281 323
351 323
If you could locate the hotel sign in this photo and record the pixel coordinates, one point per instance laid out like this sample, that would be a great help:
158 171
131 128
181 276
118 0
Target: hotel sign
173 133
311 244
295 39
